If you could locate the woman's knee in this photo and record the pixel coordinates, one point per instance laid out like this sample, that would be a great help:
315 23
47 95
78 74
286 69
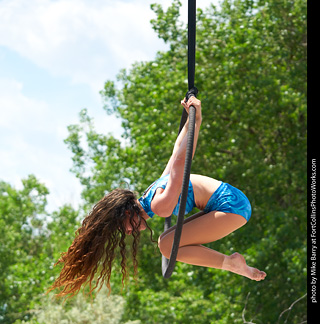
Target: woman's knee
165 244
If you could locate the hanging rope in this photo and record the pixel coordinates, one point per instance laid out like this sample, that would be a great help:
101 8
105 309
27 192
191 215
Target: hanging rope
168 265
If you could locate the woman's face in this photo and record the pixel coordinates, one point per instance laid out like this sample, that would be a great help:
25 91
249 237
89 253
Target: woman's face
135 221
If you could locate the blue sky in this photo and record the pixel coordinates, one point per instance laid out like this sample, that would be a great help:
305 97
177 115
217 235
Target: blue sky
55 56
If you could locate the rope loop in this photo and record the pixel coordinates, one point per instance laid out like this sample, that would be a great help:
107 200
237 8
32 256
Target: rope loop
168 264
191 93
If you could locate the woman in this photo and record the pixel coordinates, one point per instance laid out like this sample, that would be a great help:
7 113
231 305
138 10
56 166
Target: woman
119 213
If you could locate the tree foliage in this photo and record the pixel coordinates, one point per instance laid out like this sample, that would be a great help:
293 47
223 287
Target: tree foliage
30 244
20 245
101 310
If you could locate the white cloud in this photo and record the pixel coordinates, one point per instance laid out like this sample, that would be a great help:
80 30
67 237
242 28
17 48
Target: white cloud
17 110
87 41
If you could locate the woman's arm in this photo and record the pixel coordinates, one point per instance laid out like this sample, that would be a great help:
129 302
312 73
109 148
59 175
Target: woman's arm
164 203
177 144
181 137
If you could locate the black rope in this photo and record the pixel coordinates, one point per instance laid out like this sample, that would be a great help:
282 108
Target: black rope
168 265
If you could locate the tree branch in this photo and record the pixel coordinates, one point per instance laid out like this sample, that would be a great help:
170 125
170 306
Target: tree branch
286 310
245 307
290 308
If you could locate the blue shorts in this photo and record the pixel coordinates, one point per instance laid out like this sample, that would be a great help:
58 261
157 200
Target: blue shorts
229 199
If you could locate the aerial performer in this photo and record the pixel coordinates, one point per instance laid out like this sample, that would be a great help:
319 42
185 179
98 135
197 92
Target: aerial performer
121 213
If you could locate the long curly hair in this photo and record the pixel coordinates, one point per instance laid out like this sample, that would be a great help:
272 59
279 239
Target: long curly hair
94 247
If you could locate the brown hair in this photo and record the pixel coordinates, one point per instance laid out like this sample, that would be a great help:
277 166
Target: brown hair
93 249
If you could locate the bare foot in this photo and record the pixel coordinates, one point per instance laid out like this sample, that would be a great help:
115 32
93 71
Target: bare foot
237 264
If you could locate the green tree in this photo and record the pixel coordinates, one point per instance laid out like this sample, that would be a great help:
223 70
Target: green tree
101 310
29 246
21 230
251 72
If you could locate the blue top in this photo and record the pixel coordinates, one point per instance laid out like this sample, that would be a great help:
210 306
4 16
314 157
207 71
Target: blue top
148 195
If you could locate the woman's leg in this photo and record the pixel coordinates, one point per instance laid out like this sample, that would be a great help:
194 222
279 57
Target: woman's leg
200 229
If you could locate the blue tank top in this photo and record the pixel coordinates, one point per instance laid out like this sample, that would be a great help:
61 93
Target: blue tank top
148 195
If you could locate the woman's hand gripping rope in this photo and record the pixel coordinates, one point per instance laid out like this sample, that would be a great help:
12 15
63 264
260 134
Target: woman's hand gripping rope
196 103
